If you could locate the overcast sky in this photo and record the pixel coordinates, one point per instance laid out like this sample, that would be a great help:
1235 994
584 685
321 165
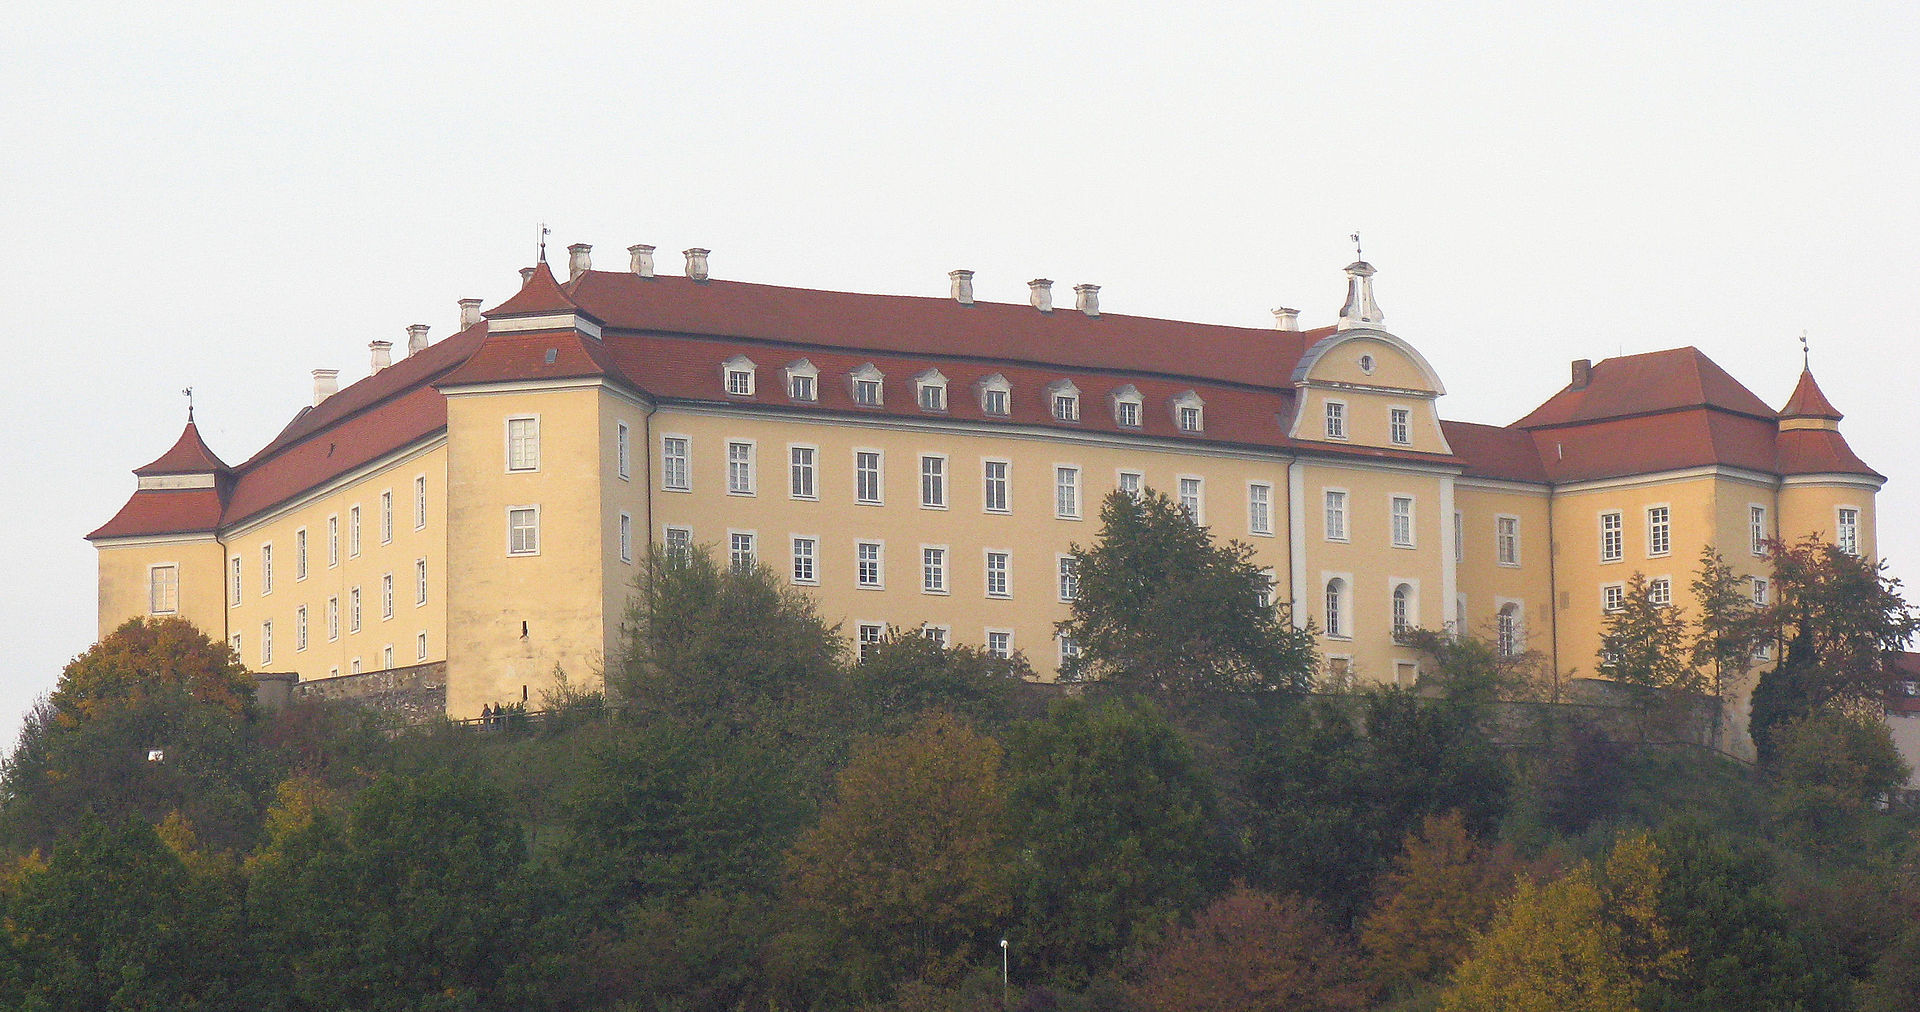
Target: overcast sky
229 198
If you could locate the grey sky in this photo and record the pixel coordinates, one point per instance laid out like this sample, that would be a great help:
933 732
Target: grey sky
229 198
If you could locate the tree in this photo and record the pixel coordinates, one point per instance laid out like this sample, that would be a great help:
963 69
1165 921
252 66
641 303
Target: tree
906 674
1550 951
1831 769
1162 609
1442 890
1252 952
147 654
1643 643
1730 630
1112 825
1844 623
909 862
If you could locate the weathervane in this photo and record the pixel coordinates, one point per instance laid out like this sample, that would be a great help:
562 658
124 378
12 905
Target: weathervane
188 394
544 231
1806 357
1356 246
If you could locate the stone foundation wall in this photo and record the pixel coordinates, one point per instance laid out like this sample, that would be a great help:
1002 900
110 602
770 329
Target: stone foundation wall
414 694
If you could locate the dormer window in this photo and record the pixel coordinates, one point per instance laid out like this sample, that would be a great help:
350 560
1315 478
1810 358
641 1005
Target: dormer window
1188 412
1064 398
1126 407
867 389
931 390
1336 420
739 374
802 381
996 395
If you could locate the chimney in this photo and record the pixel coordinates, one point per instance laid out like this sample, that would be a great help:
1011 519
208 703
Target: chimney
526 274
1360 310
416 339
1286 319
641 259
1086 298
469 312
382 354
326 383
962 286
579 260
1040 293
697 264
1582 373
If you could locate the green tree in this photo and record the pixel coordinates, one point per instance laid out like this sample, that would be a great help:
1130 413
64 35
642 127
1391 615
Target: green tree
1730 630
1163 609
1250 951
1830 770
1441 891
1112 824
909 863
1643 643
907 674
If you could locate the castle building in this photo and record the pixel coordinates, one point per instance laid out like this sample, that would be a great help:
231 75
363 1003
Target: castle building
927 464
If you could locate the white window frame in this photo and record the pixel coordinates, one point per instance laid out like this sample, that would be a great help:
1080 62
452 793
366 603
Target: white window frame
266 568
1459 537
1393 522
534 508
1660 590
995 392
386 597
856 384
805 473
1067 577
1759 587
1260 509
333 618
419 502
934 568
1066 491
1619 546
1402 619
743 473
1005 573
1196 511
1664 528
867 634
670 533
739 377
353 666
811 557
625 537
1063 401
1067 649
879 472
1139 481
941 635
930 391
1501 542
1613 597
420 645
1005 653
299 554
419 582
517 465
735 539
1846 528
153 588
356 610
236 583
1184 402
933 484
386 516
1334 414
300 629
386 657
988 485
879 561
1337 520
1509 640
622 451
1337 612
353 531
1756 529
1400 425
669 460
801 373
333 540
1128 406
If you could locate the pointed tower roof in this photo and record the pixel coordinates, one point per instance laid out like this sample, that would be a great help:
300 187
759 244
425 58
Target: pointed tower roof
539 294
189 455
1808 402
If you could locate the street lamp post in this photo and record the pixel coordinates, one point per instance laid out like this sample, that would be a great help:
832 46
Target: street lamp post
1003 973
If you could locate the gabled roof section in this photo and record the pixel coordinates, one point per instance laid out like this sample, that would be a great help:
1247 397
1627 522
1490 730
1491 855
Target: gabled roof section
1818 451
539 294
1807 400
188 456
1490 451
169 511
534 356
1660 381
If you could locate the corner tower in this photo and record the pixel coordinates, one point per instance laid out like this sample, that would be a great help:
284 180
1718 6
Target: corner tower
161 554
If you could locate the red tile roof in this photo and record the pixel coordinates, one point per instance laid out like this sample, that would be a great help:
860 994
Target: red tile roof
188 456
1808 402
1490 451
1658 381
533 355
538 294
1818 451
164 511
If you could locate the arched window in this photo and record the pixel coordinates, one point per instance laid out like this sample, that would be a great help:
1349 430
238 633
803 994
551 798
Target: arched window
1336 607
1507 629
1402 609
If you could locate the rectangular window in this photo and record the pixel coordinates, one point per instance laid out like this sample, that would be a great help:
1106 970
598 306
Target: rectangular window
739 468
871 635
1612 545
1260 509
300 554
1847 536
386 596
933 570
678 541
937 633
866 557
933 482
523 444
420 647
300 628
333 619
1263 594
1660 591
1506 540
866 392
626 537
1459 537
353 532
1336 420
266 570
266 643
1189 418
1190 498
800 387
1066 407
353 610
801 477
1613 597
1000 643
163 590
622 450
233 642
1066 492
1757 530
740 554
1402 522
933 397
419 582
676 473
386 657
1069 650
994 481
1336 515
353 666
999 566
803 552
333 541
1759 593
420 501
386 517
994 402
1400 426
233 590
740 382
523 530
1069 578
1127 413
1659 530
1130 482
866 477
